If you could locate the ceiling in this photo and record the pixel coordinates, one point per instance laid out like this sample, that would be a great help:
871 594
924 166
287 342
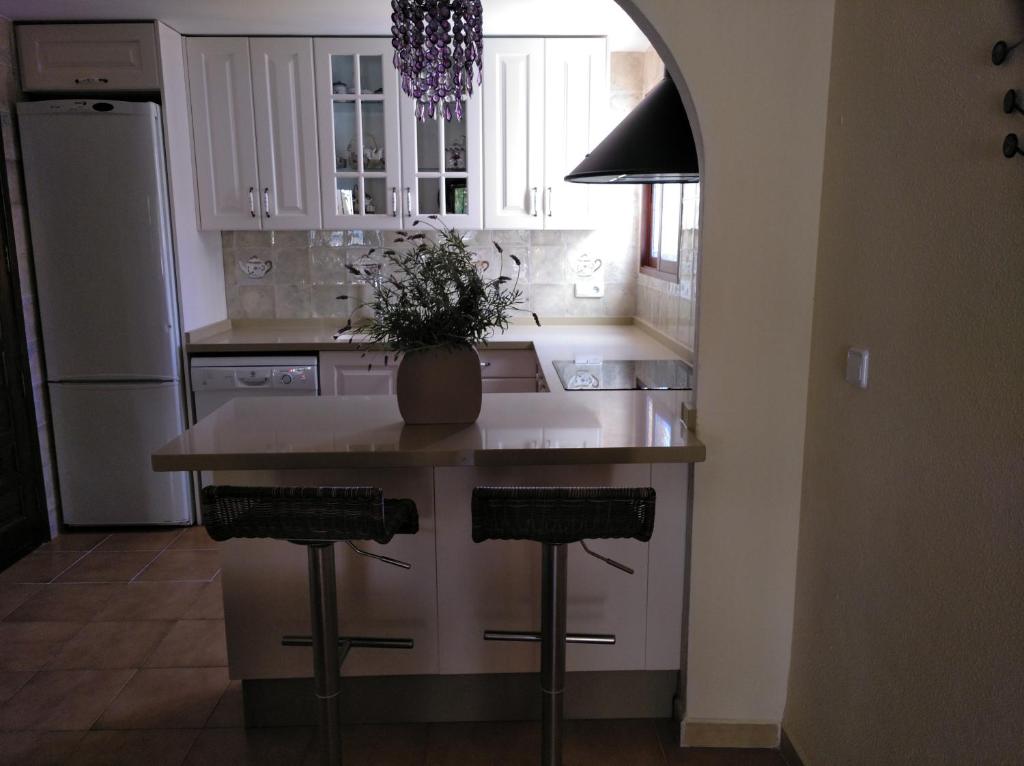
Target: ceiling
335 17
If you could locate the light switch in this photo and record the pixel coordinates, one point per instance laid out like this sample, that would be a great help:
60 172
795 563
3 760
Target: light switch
857 367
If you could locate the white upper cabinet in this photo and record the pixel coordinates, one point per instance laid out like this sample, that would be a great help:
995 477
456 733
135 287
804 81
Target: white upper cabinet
575 113
286 137
514 126
223 132
255 148
88 57
360 158
545 103
442 166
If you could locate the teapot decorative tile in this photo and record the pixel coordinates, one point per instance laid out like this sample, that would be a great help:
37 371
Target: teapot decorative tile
584 265
256 267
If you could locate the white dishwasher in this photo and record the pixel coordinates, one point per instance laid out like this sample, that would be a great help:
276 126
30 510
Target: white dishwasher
219 379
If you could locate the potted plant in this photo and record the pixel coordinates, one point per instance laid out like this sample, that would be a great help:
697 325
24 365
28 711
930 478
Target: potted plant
431 305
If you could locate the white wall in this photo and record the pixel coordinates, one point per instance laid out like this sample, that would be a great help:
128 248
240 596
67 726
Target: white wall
757 75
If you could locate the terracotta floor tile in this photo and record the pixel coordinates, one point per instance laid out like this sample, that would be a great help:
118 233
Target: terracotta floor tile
150 540
151 600
629 743
210 604
13 595
507 743
64 602
251 747
103 566
40 566
194 538
12 680
166 698
230 711
37 748
32 645
183 565
191 644
130 748
75 541
101 645
60 700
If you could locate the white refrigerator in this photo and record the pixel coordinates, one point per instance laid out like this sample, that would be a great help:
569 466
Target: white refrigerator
97 203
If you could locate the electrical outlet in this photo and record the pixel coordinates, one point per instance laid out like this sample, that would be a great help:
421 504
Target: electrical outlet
588 288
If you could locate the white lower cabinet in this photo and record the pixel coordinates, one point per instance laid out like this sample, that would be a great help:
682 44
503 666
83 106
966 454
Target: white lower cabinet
351 373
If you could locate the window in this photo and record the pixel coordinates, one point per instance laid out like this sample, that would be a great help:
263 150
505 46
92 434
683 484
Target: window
669 212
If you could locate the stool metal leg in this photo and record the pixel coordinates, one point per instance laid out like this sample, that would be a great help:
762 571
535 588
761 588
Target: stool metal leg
323 612
552 663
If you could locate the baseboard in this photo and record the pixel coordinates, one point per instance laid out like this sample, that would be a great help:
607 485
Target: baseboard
788 750
740 734
493 697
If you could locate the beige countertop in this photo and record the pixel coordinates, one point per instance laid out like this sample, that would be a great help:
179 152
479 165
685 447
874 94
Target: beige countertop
554 428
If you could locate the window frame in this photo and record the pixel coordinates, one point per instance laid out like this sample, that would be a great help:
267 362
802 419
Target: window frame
650 263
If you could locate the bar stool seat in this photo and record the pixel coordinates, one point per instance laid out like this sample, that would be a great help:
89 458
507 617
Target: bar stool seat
317 517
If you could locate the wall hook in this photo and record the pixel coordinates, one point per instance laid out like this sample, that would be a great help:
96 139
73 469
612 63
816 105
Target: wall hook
1001 51
1011 146
1010 102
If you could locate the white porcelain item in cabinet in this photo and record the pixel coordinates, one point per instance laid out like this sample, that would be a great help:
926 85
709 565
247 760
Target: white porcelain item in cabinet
88 57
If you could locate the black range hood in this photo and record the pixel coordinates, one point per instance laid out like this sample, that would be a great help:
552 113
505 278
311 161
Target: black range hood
652 145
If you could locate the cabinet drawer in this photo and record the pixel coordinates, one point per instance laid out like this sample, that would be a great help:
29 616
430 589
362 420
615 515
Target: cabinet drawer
508 364
88 57
510 385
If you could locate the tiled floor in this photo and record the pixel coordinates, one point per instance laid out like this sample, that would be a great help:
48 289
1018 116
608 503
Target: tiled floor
112 652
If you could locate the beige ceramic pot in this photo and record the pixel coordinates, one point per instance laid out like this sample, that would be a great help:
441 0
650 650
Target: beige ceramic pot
440 386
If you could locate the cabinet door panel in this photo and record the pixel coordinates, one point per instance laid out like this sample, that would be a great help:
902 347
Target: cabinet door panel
285 109
350 373
576 97
223 132
514 126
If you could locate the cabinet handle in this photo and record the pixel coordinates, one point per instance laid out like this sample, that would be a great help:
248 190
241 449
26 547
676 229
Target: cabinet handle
394 201
91 81
485 364
533 201
252 201
408 201
266 200
548 204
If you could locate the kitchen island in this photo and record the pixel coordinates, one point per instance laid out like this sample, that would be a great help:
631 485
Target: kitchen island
456 588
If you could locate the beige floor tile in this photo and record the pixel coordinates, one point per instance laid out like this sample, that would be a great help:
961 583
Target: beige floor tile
150 540
704 756
129 748
210 604
151 600
40 566
12 680
251 747
616 743
101 645
37 748
166 698
13 595
191 644
380 744
103 566
75 541
183 565
230 711
32 645
194 538
508 743
60 700
64 602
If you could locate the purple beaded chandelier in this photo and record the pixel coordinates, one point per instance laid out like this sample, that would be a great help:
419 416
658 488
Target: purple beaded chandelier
437 45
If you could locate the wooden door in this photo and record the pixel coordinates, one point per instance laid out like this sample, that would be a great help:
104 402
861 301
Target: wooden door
514 126
223 132
23 521
285 109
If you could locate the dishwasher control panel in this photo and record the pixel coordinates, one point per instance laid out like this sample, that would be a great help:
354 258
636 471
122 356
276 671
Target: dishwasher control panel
247 373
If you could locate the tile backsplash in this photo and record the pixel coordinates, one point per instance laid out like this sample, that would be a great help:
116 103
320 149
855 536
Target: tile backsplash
277 275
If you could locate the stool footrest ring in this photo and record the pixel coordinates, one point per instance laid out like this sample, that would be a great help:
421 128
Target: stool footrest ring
534 636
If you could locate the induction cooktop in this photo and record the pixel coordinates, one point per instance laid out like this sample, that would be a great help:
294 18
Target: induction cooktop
625 375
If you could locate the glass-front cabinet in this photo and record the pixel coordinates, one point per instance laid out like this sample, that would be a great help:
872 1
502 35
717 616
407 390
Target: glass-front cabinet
441 166
360 159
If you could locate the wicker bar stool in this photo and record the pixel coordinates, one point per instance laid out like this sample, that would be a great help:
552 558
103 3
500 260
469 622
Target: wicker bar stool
555 517
317 517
